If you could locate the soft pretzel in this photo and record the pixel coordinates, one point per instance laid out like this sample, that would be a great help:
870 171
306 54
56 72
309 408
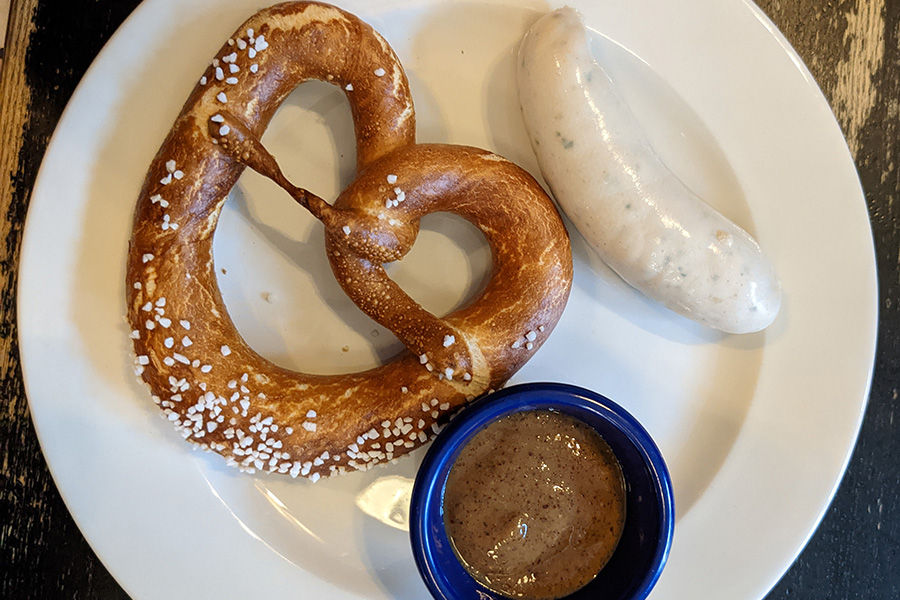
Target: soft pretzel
225 397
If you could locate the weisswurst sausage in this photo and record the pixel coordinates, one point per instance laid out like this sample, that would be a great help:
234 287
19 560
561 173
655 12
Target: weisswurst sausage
641 219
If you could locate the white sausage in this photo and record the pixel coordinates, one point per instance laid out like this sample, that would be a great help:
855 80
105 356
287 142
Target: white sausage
637 215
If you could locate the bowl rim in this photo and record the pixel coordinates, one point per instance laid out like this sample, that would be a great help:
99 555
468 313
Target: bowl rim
427 491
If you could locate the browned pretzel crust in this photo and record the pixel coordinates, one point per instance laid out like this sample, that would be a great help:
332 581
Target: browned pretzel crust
217 390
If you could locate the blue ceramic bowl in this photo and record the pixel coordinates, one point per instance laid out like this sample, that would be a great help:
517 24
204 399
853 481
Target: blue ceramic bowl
634 567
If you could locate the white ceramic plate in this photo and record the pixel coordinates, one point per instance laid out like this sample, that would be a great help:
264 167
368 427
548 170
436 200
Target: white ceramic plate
757 429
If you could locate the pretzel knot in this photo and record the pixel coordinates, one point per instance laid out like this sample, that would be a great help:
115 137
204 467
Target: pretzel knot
218 391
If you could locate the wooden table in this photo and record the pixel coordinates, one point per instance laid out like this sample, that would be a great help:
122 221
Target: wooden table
852 48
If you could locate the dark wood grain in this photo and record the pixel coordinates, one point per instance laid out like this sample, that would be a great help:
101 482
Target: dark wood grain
853 51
